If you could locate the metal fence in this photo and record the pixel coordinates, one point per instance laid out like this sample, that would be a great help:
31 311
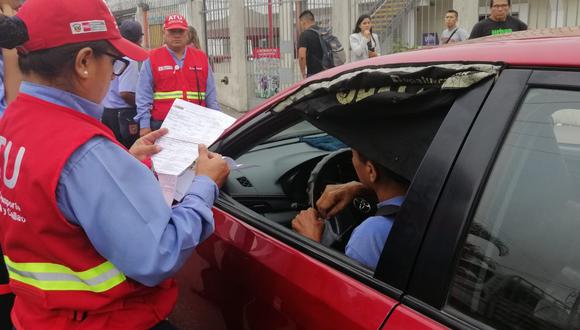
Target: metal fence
217 32
272 31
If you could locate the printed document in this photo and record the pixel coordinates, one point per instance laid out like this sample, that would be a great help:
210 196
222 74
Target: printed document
189 125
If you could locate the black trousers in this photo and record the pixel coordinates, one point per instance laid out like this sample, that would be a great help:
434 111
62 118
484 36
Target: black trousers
121 122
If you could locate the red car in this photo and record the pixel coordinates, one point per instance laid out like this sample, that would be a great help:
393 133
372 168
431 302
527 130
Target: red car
488 235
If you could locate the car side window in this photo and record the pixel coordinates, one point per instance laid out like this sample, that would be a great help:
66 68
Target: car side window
519 267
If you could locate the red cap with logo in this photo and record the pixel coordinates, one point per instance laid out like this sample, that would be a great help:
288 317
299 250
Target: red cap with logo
175 22
55 23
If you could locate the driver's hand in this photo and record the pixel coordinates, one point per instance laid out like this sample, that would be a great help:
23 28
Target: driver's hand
309 224
337 196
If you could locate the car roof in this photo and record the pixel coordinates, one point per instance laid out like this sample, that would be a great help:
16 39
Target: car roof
558 47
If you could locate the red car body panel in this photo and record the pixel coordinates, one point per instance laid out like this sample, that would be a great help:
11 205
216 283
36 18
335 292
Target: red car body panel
404 318
287 291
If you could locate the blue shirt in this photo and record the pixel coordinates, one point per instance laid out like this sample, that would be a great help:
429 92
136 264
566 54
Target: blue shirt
118 203
368 239
127 82
2 91
144 97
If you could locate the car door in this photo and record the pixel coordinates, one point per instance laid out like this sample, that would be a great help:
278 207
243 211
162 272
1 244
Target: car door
257 274
501 250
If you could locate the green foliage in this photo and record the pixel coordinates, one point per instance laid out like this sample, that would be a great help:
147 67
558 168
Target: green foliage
400 46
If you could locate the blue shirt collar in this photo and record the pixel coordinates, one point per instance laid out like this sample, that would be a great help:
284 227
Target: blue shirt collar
62 98
398 200
174 55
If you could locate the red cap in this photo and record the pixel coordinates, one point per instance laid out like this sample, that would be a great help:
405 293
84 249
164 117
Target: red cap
176 22
55 23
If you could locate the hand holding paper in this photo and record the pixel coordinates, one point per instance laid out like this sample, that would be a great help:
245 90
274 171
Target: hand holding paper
189 125
212 165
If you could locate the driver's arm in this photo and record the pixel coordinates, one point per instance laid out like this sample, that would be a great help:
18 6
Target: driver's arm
337 196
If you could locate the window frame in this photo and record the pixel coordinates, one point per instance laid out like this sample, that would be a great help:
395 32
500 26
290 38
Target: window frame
439 159
439 255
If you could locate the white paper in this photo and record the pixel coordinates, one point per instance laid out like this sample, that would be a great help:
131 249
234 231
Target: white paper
189 125
184 181
168 185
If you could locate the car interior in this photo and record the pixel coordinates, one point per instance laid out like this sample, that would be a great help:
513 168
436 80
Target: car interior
284 165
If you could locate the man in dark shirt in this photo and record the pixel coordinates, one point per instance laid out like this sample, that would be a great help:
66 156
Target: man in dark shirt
499 21
309 48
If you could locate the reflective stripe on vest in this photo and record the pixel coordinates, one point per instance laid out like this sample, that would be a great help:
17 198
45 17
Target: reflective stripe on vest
177 95
47 276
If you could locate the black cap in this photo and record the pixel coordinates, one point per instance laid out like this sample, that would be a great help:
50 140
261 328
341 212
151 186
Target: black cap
131 30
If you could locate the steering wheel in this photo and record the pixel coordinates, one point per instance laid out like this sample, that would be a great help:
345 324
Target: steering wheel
336 168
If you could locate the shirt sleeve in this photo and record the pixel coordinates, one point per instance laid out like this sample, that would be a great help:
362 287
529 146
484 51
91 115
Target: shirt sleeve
128 80
476 31
144 95
118 203
211 91
303 40
462 34
357 46
2 96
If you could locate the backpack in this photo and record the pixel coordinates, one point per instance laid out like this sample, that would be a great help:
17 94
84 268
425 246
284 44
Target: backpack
332 51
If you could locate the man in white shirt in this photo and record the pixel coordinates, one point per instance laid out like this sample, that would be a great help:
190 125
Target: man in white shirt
453 33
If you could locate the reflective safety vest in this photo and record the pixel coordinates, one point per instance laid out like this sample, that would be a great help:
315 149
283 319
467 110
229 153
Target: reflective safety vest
59 279
171 82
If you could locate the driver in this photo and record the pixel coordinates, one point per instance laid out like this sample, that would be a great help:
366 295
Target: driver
368 239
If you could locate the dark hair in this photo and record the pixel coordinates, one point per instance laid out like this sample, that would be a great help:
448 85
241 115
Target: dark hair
385 173
359 21
193 37
307 15
13 32
491 3
453 11
54 63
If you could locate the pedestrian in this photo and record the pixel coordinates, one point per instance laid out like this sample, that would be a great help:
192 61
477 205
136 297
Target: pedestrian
87 236
9 73
498 22
173 71
193 38
452 33
120 101
363 42
309 47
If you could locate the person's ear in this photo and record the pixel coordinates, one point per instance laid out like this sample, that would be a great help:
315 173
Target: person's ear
372 172
83 62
